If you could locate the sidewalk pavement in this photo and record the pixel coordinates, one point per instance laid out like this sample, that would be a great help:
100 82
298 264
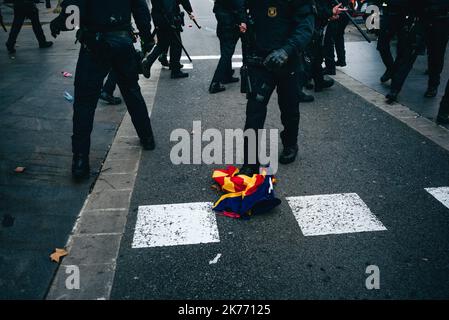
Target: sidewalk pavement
39 207
365 65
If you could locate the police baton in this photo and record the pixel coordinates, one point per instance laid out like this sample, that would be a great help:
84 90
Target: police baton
178 39
354 23
194 20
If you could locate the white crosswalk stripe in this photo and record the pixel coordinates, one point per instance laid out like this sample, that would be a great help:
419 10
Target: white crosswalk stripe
316 215
441 194
175 224
333 214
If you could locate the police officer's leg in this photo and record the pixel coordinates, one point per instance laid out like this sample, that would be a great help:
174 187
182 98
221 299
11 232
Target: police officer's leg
289 98
90 73
162 45
329 46
437 37
342 23
403 64
33 15
107 94
223 74
19 19
263 84
443 114
125 66
317 71
175 55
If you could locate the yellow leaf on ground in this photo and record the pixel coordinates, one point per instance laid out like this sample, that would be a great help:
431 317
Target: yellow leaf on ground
58 254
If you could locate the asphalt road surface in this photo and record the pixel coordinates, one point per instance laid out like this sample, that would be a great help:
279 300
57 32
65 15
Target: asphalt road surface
367 192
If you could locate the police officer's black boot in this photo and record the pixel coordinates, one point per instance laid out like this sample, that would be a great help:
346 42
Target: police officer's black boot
45 44
431 91
148 143
163 60
216 87
80 166
392 96
388 74
323 84
340 63
306 97
289 154
110 98
11 48
178 74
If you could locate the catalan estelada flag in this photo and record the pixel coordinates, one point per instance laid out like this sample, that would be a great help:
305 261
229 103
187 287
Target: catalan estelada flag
245 196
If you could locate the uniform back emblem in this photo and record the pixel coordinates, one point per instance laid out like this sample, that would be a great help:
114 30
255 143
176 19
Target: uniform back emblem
272 12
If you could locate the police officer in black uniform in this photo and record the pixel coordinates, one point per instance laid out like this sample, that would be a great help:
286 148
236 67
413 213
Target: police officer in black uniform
278 33
392 22
231 17
410 44
325 11
335 39
24 9
169 21
106 44
436 21
443 113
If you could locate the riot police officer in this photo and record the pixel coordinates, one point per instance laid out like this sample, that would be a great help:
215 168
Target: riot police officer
24 9
325 11
106 44
169 22
410 45
436 21
392 22
230 22
279 31
335 39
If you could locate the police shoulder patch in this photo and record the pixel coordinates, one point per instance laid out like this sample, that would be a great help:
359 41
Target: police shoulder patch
272 12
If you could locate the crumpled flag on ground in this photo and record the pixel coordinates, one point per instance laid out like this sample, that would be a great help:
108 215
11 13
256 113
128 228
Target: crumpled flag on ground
245 196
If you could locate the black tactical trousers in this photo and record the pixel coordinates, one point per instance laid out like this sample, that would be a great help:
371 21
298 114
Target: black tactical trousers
229 35
410 44
437 34
118 55
444 106
167 38
334 39
22 12
391 24
264 83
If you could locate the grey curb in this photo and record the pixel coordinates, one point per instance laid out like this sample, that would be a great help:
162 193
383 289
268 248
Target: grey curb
94 243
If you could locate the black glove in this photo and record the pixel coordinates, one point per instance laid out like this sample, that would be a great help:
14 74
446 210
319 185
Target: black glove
276 59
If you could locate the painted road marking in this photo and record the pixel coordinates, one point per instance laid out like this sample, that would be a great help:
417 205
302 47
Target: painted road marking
211 57
236 65
333 214
175 224
441 194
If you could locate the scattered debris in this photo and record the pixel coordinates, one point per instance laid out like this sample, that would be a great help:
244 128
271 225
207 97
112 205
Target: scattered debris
19 170
67 74
7 221
68 96
58 254
215 259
